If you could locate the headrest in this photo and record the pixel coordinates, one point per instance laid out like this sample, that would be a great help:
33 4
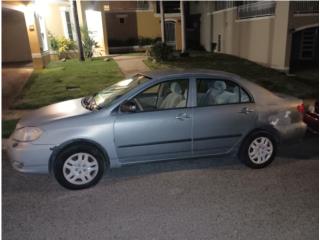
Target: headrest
175 88
220 85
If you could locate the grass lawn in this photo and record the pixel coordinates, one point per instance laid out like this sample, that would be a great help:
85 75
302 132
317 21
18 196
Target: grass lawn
299 86
8 126
66 80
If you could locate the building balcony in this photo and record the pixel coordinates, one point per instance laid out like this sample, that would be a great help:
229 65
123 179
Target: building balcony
257 9
306 7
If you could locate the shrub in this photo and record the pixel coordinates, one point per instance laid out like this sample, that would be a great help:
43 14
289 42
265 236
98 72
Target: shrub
88 43
62 45
141 41
160 51
65 45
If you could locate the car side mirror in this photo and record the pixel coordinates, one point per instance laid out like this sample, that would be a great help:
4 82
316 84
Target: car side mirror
128 106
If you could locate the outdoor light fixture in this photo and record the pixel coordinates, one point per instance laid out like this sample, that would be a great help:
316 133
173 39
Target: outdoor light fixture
106 8
31 27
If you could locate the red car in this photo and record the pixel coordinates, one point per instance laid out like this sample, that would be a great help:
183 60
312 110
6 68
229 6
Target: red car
311 117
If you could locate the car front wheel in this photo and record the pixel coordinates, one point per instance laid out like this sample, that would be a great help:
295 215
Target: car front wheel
258 150
79 167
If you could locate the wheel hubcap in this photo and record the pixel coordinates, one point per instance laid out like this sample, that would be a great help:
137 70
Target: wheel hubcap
260 150
80 168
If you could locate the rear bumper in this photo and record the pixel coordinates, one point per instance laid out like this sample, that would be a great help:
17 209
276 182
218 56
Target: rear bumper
28 157
293 132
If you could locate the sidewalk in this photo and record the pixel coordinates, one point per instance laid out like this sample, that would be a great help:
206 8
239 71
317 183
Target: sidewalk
130 65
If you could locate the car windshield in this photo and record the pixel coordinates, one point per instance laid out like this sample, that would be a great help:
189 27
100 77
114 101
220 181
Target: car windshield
105 97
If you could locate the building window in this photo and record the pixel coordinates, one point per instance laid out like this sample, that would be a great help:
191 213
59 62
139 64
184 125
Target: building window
44 41
66 23
219 43
121 20
69 26
169 7
220 5
142 5
170 32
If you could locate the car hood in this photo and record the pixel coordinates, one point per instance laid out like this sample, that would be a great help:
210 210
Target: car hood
53 112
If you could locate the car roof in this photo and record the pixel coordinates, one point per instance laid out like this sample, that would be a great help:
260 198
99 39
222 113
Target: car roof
156 74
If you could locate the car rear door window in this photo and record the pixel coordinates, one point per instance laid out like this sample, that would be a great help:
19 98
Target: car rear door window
212 92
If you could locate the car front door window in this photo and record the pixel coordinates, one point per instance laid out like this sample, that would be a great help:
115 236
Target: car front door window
166 95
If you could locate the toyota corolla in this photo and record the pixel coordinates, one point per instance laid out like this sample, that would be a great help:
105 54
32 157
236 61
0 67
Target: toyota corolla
156 116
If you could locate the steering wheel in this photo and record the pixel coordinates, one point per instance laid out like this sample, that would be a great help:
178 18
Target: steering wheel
138 104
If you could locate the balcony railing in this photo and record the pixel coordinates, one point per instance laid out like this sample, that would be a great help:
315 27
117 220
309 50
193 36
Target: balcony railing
258 9
305 7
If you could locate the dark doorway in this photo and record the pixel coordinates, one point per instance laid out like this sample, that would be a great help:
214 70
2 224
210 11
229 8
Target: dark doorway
305 49
193 32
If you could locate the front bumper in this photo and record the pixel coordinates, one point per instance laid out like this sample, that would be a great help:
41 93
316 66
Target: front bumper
28 157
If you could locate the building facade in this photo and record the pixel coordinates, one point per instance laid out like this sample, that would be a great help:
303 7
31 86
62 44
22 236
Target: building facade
135 22
27 26
276 34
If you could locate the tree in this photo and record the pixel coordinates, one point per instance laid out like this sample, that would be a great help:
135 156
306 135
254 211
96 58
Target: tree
76 21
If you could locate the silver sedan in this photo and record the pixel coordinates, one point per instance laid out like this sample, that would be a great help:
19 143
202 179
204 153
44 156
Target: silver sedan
155 116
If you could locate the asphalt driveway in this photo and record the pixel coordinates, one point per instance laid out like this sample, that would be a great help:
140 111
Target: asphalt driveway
192 199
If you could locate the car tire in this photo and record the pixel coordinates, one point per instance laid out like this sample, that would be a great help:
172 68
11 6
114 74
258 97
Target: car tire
258 150
79 166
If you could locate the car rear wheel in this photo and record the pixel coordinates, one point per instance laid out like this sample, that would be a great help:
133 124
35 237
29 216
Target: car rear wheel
79 167
258 150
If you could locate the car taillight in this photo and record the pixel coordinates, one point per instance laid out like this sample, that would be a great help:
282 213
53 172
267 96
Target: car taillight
300 108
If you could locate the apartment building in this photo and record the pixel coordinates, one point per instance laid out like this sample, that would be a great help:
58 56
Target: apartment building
277 34
28 24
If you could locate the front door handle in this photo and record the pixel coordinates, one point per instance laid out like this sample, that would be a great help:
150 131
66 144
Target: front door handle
246 110
183 116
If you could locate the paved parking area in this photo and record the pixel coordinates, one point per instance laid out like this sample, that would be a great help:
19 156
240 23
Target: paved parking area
192 199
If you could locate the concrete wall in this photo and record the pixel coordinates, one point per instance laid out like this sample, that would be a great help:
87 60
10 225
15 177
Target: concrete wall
121 31
15 43
148 25
249 38
53 19
302 21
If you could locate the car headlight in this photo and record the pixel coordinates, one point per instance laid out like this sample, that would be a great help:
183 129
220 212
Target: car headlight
27 134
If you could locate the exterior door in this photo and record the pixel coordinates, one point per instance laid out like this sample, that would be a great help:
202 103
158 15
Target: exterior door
224 113
160 129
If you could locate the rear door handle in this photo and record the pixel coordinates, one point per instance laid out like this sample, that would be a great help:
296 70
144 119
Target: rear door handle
183 116
246 110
